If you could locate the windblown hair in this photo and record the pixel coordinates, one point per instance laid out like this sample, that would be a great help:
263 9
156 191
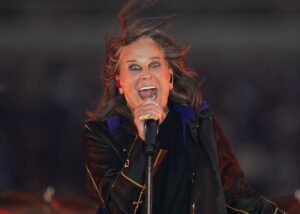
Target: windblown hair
185 85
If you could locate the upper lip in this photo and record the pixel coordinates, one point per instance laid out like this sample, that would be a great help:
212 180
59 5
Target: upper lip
147 87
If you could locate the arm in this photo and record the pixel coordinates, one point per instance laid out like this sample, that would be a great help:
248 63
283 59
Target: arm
238 195
116 185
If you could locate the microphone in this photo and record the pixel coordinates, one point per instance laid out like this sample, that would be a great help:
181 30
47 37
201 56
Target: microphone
151 130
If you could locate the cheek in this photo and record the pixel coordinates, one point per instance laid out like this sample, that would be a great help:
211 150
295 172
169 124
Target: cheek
165 80
125 79
165 86
128 85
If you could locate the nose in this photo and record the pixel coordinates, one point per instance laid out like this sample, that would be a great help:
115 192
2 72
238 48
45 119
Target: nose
146 74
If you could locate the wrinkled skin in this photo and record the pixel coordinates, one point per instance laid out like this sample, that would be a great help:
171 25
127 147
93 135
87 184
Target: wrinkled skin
143 64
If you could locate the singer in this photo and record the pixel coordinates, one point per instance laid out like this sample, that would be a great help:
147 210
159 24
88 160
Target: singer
195 170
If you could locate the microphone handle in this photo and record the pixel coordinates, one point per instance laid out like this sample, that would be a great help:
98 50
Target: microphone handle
151 128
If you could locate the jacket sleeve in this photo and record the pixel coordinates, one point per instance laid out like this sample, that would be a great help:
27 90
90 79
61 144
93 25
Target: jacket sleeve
116 186
240 198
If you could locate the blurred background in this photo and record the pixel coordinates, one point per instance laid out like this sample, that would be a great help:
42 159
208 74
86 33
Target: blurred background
247 54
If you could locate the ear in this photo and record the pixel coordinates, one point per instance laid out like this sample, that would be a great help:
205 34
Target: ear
118 84
171 79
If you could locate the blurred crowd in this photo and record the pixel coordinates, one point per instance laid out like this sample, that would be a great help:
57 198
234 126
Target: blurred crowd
46 91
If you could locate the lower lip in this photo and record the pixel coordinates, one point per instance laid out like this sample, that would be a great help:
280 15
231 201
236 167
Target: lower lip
149 98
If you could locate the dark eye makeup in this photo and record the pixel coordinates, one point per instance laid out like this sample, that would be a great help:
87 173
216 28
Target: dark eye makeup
154 64
134 67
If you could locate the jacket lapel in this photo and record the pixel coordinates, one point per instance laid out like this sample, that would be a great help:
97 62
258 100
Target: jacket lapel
124 139
122 135
206 189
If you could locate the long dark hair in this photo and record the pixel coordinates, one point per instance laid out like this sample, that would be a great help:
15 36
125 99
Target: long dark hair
132 26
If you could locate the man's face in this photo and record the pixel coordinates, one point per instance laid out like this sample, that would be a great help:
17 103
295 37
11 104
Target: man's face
144 73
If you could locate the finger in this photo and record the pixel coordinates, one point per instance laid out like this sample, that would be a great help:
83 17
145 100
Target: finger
145 113
147 110
149 116
148 106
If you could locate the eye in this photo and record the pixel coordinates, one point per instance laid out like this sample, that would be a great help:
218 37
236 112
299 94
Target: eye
154 65
134 67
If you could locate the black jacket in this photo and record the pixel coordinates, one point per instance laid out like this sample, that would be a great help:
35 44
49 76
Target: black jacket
116 167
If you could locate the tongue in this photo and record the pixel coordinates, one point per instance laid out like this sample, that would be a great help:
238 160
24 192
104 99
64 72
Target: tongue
148 93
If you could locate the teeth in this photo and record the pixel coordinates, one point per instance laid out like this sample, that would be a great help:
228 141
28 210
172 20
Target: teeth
146 88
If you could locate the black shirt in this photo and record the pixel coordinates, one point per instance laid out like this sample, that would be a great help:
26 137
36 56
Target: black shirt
171 183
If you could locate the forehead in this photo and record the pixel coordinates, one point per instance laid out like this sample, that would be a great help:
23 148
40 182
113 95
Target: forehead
143 48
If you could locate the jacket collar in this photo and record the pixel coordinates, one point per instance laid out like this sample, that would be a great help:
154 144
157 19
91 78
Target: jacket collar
186 113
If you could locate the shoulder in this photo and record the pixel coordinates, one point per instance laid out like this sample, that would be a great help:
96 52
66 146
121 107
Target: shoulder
205 111
93 125
99 126
190 113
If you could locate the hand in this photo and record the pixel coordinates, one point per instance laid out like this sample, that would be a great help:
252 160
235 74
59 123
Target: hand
147 110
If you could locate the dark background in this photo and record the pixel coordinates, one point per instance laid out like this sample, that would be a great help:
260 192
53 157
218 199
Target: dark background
51 57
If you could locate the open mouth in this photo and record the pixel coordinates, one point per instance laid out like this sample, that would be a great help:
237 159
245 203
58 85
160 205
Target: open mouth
148 92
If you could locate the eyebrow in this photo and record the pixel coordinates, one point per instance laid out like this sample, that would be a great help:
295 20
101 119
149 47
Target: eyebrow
133 60
151 58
